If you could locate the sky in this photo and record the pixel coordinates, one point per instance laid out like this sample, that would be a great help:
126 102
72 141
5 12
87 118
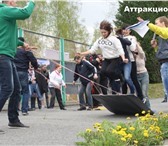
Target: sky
94 11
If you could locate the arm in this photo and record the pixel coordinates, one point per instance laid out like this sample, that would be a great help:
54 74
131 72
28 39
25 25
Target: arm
75 75
161 31
18 13
32 59
93 49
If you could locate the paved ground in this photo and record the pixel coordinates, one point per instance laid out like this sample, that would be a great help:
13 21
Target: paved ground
59 128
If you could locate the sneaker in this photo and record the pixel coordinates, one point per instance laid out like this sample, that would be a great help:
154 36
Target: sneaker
165 100
25 113
82 108
89 108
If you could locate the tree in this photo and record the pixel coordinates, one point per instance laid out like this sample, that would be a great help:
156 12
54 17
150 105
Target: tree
128 17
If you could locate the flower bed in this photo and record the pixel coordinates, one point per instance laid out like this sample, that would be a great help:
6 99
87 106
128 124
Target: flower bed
146 130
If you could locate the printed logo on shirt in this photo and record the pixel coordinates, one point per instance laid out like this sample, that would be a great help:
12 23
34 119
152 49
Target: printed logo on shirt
105 42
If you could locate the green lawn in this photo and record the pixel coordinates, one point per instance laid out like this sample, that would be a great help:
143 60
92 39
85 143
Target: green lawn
156 90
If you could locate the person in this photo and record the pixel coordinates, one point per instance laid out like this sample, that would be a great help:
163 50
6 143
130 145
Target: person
22 60
142 73
55 84
43 83
131 50
9 81
126 66
34 87
86 72
112 52
161 29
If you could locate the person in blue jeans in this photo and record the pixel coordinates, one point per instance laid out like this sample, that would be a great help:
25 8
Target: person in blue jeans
9 80
34 88
87 72
161 29
22 60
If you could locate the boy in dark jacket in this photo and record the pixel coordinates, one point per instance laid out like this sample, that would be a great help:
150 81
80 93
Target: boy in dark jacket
86 71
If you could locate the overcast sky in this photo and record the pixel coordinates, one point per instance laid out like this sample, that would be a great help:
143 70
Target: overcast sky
94 11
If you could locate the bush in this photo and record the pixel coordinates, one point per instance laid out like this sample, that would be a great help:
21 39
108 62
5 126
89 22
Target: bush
145 130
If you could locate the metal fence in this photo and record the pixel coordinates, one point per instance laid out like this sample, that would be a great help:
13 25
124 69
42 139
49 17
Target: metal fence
60 50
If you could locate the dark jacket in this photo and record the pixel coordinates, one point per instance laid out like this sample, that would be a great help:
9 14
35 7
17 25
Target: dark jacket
84 69
125 43
22 59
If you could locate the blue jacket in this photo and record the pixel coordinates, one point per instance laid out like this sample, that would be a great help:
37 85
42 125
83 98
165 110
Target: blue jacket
84 69
22 59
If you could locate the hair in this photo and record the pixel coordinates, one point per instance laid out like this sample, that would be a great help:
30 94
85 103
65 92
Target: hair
163 19
106 26
21 39
57 65
77 56
118 31
125 26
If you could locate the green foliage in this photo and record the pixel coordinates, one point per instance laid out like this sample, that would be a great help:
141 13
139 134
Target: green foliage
57 18
130 18
146 130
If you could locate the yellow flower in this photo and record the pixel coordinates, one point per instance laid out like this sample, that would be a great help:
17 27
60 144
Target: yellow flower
123 139
143 112
135 141
88 130
132 128
128 118
136 115
96 125
118 127
129 135
146 134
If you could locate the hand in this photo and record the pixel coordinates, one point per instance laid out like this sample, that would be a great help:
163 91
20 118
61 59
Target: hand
125 60
140 19
73 83
65 86
153 43
95 76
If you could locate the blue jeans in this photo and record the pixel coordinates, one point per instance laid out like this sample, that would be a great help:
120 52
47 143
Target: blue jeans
9 87
143 79
127 75
164 75
35 88
23 77
86 88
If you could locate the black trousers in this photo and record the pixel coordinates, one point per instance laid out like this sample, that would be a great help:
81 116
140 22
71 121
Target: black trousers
135 80
55 93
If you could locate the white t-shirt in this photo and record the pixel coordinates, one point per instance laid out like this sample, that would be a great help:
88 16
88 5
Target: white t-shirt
111 47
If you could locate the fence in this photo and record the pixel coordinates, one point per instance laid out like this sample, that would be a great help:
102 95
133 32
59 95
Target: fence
60 50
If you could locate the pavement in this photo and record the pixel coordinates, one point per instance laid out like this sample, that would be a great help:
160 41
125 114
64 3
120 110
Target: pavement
54 127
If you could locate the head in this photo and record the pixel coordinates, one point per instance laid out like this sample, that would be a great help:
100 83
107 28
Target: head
105 28
58 67
43 67
77 59
125 31
10 2
21 39
162 21
118 32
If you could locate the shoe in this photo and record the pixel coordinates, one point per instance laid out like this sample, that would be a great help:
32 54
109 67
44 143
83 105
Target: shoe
63 108
17 124
165 100
25 113
89 108
82 108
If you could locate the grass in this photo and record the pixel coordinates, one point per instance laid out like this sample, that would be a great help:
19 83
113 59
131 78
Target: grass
156 90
